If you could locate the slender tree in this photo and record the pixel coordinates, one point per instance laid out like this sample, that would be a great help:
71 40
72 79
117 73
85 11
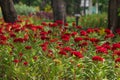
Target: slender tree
59 10
113 18
8 11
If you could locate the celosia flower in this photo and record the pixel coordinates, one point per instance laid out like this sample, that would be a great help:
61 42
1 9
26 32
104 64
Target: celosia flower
44 24
62 52
116 52
25 63
117 60
83 33
28 47
16 61
74 33
94 40
97 58
118 31
12 35
19 40
59 22
67 48
65 37
108 31
77 54
90 30
115 46
111 35
77 39
100 49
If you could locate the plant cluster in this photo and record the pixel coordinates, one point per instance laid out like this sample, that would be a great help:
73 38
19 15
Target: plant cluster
56 51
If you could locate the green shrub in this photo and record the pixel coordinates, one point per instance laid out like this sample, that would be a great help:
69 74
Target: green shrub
94 20
23 9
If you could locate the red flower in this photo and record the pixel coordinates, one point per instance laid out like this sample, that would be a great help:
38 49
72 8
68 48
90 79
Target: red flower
116 52
12 34
117 60
26 37
67 48
25 63
108 31
16 61
74 33
19 40
115 46
94 40
28 47
118 31
106 45
35 58
77 54
111 35
83 44
59 22
90 30
101 49
2 37
97 58
65 37
53 24
83 33
77 39
44 23
20 54
62 52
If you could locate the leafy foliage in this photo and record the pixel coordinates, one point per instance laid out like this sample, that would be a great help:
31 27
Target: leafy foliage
23 9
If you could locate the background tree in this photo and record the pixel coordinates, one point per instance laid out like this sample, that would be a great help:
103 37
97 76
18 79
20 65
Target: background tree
59 9
8 10
113 18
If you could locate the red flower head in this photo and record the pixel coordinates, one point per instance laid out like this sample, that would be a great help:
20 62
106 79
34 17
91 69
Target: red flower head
106 45
77 54
28 47
97 58
62 52
59 22
16 61
67 48
53 24
94 40
116 52
44 24
90 30
118 31
77 39
3 38
100 49
12 34
108 31
65 37
25 63
117 60
19 40
115 46
83 33
111 35
74 33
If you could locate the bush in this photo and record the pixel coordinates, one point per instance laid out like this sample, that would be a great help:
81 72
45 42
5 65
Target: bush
23 9
94 20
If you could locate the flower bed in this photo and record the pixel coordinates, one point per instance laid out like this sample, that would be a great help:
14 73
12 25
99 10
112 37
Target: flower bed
51 51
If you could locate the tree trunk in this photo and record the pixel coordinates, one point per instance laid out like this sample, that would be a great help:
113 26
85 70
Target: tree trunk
8 11
113 18
59 10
